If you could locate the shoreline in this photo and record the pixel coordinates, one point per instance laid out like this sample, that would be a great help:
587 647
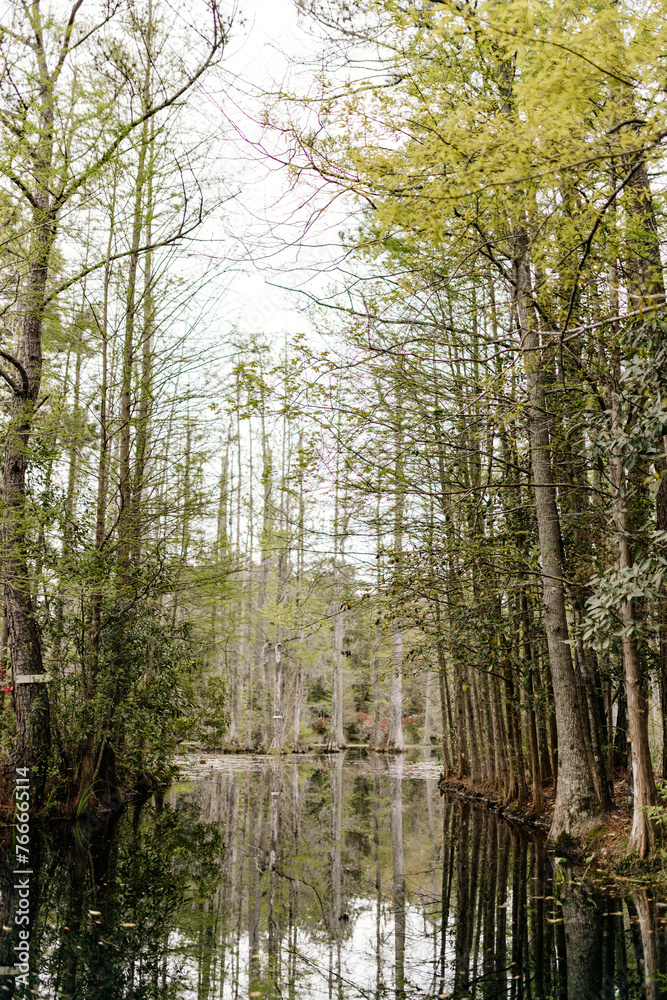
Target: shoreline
603 850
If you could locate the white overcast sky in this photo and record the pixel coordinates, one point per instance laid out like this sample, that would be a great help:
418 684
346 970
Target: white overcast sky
265 222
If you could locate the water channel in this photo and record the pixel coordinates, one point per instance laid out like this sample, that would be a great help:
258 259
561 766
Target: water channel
347 877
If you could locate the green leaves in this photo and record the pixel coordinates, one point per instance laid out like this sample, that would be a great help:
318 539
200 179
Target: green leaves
640 584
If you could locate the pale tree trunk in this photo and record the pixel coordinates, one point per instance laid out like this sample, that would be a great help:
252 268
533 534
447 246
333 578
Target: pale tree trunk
143 433
644 830
74 449
250 665
445 713
295 884
395 738
376 737
274 940
125 514
577 807
336 739
256 861
297 703
335 828
428 695
398 864
185 525
238 644
378 877
265 673
278 731
276 745
449 750
300 570
221 538
266 543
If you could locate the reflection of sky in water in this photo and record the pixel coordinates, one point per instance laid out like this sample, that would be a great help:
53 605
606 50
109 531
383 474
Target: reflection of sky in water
317 962
364 955
196 766
184 888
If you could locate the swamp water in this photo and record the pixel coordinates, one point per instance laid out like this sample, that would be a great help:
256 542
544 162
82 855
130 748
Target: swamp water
339 877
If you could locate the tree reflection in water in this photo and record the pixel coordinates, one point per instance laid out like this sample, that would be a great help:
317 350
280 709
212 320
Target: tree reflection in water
323 877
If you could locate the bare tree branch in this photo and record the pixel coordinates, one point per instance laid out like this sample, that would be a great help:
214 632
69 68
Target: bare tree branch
21 370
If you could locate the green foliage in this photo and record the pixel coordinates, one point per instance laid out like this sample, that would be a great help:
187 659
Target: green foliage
212 719
156 870
149 694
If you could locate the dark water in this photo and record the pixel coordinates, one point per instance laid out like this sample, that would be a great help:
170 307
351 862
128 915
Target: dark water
321 877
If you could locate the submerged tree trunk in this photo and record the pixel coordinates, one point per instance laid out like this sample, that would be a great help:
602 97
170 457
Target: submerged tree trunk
398 864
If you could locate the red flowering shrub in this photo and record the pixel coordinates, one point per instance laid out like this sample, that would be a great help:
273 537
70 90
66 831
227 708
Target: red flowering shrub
364 725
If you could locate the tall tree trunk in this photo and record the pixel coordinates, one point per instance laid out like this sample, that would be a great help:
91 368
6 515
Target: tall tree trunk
87 765
395 738
30 694
644 831
276 744
266 542
428 708
577 807
336 739
535 766
661 524
125 514
143 429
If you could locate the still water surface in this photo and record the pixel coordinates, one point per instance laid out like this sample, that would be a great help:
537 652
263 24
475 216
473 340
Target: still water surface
323 878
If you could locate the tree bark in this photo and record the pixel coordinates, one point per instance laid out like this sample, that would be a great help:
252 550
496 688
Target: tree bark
395 738
577 807
125 515
278 728
30 699
643 836
661 525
